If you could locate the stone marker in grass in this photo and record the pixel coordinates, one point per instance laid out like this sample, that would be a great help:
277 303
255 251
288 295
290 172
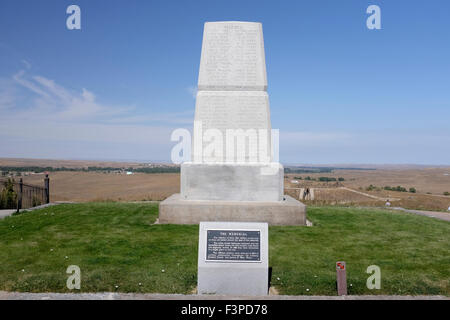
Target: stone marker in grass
341 278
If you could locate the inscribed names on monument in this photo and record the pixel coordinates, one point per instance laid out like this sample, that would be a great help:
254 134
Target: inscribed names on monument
232 57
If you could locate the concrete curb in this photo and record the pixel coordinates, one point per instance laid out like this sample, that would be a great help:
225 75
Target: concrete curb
4 295
51 204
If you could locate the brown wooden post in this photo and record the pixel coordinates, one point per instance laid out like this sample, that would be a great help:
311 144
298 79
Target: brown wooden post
20 195
47 189
341 278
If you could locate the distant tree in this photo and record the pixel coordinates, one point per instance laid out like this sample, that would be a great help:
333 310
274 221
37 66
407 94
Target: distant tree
412 190
446 193
341 179
326 179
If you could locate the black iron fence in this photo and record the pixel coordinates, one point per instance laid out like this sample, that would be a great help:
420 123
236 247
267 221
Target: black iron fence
19 195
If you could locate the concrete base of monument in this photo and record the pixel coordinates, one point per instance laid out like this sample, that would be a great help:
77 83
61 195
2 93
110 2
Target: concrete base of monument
232 181
175 210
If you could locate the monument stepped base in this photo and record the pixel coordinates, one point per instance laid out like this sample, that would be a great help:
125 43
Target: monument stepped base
175 210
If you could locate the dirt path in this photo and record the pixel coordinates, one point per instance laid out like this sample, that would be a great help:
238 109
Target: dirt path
369 195
343 188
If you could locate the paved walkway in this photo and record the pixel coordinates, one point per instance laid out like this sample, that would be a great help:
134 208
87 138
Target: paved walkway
432 214
154 296
5 213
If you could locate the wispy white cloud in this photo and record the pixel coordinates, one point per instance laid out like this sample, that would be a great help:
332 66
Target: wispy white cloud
49 100
30 85
49 113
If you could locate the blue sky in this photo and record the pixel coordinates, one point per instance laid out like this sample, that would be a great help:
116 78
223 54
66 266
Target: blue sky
339 92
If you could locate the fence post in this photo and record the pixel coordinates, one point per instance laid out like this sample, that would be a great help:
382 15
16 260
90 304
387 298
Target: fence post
47 189
19 196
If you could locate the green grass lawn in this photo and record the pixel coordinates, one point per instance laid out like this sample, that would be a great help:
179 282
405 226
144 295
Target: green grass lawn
115 244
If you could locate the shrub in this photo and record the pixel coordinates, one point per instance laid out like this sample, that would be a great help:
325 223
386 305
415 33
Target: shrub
341 179
8 197
412 190
397 188
446 193
36 202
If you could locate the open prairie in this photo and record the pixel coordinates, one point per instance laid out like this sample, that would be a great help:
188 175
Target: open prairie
423 179
430 184
96 186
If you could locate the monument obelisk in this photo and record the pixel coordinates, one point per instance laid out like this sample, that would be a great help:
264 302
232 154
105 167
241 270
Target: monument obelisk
232 176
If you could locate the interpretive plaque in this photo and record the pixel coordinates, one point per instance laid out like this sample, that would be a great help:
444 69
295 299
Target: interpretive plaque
233 258
233 245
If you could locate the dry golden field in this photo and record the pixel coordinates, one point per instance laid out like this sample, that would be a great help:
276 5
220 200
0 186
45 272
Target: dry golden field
425 180
97 186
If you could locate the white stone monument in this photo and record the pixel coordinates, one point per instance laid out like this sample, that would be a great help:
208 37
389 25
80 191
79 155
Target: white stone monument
232 175
233 258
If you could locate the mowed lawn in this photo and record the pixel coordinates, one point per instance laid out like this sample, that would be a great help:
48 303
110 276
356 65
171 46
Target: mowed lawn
118 249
